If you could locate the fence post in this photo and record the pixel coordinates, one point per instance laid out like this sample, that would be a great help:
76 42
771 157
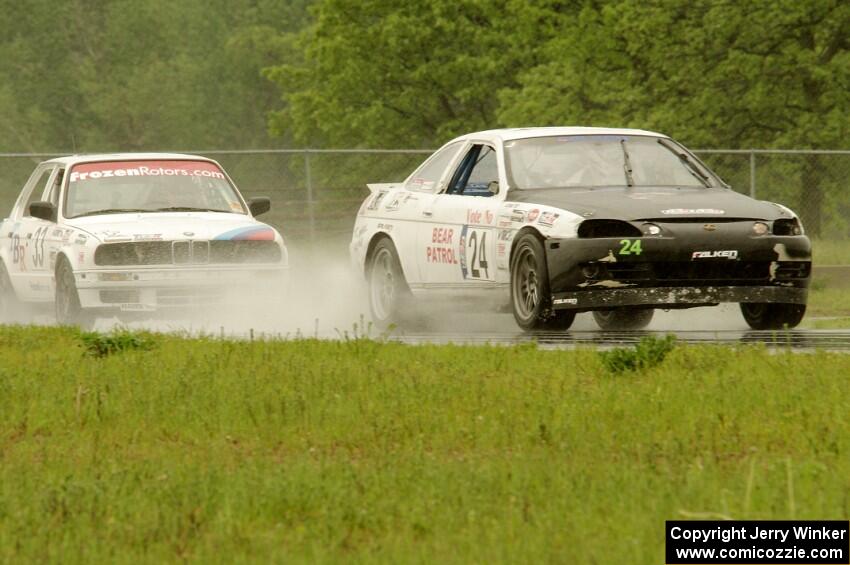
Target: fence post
310 202
752 174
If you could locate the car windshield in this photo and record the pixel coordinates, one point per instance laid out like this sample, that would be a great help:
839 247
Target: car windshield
149 186
602 160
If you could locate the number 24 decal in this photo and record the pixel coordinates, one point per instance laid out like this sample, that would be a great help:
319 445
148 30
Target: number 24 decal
479 254
630 247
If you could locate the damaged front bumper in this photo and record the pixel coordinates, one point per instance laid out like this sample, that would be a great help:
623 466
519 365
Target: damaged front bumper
674 272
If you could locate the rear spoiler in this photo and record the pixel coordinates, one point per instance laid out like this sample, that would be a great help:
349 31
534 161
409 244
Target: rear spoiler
374 187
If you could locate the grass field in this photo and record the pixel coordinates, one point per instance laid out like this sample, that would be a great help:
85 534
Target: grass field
831 252
363 451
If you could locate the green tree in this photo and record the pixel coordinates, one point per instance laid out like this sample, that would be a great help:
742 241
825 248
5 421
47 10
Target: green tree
394 73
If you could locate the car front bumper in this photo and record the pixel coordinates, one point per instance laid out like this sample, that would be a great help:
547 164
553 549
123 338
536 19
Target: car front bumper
668 272
154 289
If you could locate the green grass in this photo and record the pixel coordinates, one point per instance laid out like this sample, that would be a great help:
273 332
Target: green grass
838 323
831 252
307 451
828 302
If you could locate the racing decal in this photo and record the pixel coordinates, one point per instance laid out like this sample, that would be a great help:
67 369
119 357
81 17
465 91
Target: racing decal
81 239
727 254
691 211
394 204
17 250
147 237
149 168
251 233
518 216
376 200
38 247
473 254
532 215
630 247
441 249
565 301
547 218
386 227
479 217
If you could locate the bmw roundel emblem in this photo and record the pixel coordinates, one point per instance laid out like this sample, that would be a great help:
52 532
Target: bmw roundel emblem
188 233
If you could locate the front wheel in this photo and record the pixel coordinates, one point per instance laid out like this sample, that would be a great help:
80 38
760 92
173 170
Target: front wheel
623 318
761 316
531 298
68 309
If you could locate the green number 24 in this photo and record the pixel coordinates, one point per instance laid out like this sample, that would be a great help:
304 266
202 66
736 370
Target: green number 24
630 247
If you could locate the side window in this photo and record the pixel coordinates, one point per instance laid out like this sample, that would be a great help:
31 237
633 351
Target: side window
429 174
36 188
56 188
477 173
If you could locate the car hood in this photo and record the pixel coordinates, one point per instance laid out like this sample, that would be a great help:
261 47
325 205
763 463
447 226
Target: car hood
640 203
171 226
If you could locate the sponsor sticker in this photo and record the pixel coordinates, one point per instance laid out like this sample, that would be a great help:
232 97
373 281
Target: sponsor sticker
725 254
441 249
376 200
547 218
565 301
151 168
691 211
532 215
480 217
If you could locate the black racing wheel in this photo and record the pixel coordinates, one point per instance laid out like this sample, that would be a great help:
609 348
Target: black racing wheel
766 316
531 299
623 318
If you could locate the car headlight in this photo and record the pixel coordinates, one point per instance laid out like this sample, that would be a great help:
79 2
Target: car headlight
651 229
787 226
760 228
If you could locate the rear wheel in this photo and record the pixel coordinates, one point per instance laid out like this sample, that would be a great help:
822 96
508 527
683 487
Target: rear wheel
68 309
389 294
623 318
766 316
531 298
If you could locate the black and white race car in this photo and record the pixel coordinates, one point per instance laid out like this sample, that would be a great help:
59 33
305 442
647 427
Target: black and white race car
556 221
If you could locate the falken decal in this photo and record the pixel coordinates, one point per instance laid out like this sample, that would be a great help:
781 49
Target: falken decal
726 254
252 233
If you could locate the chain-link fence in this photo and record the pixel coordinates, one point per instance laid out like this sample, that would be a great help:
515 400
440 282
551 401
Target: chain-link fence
315 193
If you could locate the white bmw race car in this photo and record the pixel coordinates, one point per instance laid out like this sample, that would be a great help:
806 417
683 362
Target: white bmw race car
106 234
553 221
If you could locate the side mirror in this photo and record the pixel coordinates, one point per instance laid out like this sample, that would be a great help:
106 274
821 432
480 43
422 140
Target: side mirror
493 187
43 210
259 205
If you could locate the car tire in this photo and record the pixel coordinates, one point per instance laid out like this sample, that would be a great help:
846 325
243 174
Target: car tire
766 316
67 301
389 295
623 318
9 304
531 298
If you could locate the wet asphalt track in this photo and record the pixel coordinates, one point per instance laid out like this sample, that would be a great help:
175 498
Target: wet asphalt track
717 325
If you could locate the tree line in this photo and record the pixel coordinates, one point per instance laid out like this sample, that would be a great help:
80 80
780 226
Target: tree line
88 75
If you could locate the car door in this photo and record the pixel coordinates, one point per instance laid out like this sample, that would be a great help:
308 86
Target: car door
405 210
458 239
29 265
